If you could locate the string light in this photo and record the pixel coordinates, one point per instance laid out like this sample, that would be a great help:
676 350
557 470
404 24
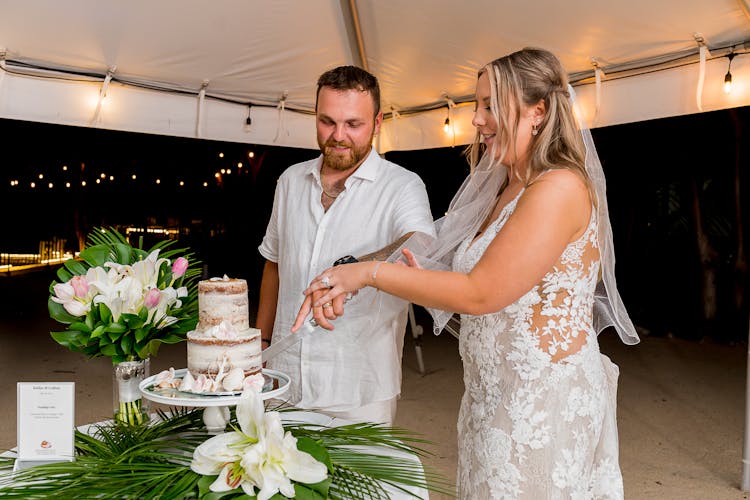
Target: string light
449 106
728 76
248 120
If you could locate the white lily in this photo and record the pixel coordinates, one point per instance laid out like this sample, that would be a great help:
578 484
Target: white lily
260 456
146 271
108 288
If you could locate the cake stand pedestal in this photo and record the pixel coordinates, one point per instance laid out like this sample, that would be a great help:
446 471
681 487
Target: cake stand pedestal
216 412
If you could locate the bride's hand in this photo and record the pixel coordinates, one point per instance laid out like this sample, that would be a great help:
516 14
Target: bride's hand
328 292
411 259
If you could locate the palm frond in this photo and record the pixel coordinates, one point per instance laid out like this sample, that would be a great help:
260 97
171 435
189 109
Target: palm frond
363 433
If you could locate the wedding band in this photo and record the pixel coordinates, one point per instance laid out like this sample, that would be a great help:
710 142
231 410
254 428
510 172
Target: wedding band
348 297
326 281
313 322
327 304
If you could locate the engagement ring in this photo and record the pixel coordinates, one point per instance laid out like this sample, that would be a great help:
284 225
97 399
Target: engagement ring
327 304
326 281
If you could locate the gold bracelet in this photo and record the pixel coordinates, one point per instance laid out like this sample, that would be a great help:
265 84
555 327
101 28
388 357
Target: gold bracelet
375 273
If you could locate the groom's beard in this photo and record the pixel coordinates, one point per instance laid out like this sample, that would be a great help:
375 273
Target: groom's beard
349 159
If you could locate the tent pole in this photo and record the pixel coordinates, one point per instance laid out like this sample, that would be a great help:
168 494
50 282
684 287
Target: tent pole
745 485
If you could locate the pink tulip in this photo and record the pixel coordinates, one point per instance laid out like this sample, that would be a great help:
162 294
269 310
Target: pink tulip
80 286
179 267
152 298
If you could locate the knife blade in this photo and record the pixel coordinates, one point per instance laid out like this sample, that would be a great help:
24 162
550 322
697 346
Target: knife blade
282 345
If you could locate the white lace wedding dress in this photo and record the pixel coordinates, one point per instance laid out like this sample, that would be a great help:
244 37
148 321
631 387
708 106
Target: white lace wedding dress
531 427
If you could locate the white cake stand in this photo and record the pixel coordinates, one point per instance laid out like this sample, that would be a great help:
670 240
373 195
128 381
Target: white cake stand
216 413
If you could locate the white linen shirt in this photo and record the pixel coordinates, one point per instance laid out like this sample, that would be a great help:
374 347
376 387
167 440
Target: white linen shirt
360 361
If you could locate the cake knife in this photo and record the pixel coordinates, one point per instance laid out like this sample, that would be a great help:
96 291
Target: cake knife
276 347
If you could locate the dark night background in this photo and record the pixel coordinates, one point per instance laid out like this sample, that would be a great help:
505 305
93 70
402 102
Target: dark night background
662 176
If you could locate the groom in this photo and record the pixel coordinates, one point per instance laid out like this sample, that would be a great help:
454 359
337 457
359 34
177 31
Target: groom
346 203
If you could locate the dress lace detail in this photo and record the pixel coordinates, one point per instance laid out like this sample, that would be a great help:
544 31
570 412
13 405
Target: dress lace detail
538 415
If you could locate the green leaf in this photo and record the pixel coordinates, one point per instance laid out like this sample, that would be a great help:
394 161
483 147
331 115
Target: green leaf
308 492
204 484
315 449
126 343
70 339
133 320
104 313
142 333
75 267
102 339
119 358
96 255
173 339
90 321
228 494
63 274
123 253
98 331
80 326
108 350
59 314
117 328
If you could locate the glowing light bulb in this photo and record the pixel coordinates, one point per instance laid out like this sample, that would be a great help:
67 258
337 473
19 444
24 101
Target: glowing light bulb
728 82
447 125
728 76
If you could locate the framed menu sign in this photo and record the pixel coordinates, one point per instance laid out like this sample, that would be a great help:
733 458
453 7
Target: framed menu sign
46 422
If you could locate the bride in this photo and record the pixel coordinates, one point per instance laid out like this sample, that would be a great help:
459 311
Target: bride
525 255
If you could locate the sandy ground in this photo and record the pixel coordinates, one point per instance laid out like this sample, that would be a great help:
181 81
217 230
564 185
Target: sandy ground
681 404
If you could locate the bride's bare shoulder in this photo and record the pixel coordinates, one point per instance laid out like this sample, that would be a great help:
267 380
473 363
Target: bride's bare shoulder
561 182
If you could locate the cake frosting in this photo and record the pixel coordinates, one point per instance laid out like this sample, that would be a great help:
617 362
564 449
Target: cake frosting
223 343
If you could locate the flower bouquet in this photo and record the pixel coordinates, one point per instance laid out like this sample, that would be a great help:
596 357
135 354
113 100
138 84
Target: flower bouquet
123 302
263 457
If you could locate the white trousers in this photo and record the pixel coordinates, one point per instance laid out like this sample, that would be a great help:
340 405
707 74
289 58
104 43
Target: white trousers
382 412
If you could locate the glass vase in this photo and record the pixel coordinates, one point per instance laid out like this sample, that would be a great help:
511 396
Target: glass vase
129 405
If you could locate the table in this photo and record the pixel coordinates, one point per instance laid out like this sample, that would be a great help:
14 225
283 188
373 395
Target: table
304 416
216 415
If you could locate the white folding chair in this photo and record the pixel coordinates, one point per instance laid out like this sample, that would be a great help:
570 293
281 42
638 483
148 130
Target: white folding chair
453 327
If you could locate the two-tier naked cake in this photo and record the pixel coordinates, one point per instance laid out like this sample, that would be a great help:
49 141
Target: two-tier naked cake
223 340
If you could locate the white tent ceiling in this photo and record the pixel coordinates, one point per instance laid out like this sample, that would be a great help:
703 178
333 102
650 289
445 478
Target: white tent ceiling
161 53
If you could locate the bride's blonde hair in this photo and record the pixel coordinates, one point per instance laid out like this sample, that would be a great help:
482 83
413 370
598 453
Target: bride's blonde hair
523 78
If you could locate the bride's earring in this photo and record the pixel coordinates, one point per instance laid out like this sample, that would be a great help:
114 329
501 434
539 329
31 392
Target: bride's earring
534 128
